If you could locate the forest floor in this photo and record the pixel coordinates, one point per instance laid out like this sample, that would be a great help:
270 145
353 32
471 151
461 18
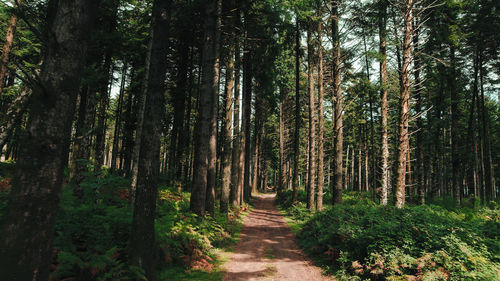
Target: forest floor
267 249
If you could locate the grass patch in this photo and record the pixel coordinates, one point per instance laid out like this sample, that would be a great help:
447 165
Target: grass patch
270 270
293 224
269 254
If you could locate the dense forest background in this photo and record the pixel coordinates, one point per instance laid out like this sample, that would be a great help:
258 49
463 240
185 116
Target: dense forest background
112 107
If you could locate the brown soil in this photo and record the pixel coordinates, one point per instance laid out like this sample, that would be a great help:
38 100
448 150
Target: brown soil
267 250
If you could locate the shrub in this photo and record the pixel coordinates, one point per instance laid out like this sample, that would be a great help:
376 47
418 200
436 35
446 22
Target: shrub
424 242
299 212
187 240
92 234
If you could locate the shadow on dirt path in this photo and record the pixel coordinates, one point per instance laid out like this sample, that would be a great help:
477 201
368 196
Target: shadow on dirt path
267 250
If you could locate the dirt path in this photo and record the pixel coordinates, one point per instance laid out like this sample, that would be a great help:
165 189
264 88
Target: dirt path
267 250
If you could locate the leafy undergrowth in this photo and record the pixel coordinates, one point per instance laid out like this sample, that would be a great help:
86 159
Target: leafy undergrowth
188 244
362 241
93 237
92 234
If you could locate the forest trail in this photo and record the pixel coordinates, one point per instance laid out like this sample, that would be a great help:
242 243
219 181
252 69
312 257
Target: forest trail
267 250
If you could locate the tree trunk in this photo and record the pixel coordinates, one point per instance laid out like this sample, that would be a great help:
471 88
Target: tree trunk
404 106
36 187
296 149
321 121
129 125
179 101
409 172
83 139
104 85
141 104
78 166
142 240
226 155
420 123
118 120
235 192
369 157
436 160
203 131
185 145
471 135
353 163
247 111
7 46
489 168
360 170
312 122
347 181
455 130
306 172
256 144
102 111
212 156
367 152
281 179
384 183
14 115
337 114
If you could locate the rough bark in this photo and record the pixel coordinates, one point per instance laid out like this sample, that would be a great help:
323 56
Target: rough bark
130 118
420 123
384 183
212 157
256 147
102 112
141 106
78 166
7 46
281 179
235 192
28 228
14 115
142 240
312 122
367 152
321 121
185 145
404 105
369 157
118 120
228 120
247 111
471 136
489 175
337 94
83 139
203 130
179 101
346 167
296 150
455 130
103 87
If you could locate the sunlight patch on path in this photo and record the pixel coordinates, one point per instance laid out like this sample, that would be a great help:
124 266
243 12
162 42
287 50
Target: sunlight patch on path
267 250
